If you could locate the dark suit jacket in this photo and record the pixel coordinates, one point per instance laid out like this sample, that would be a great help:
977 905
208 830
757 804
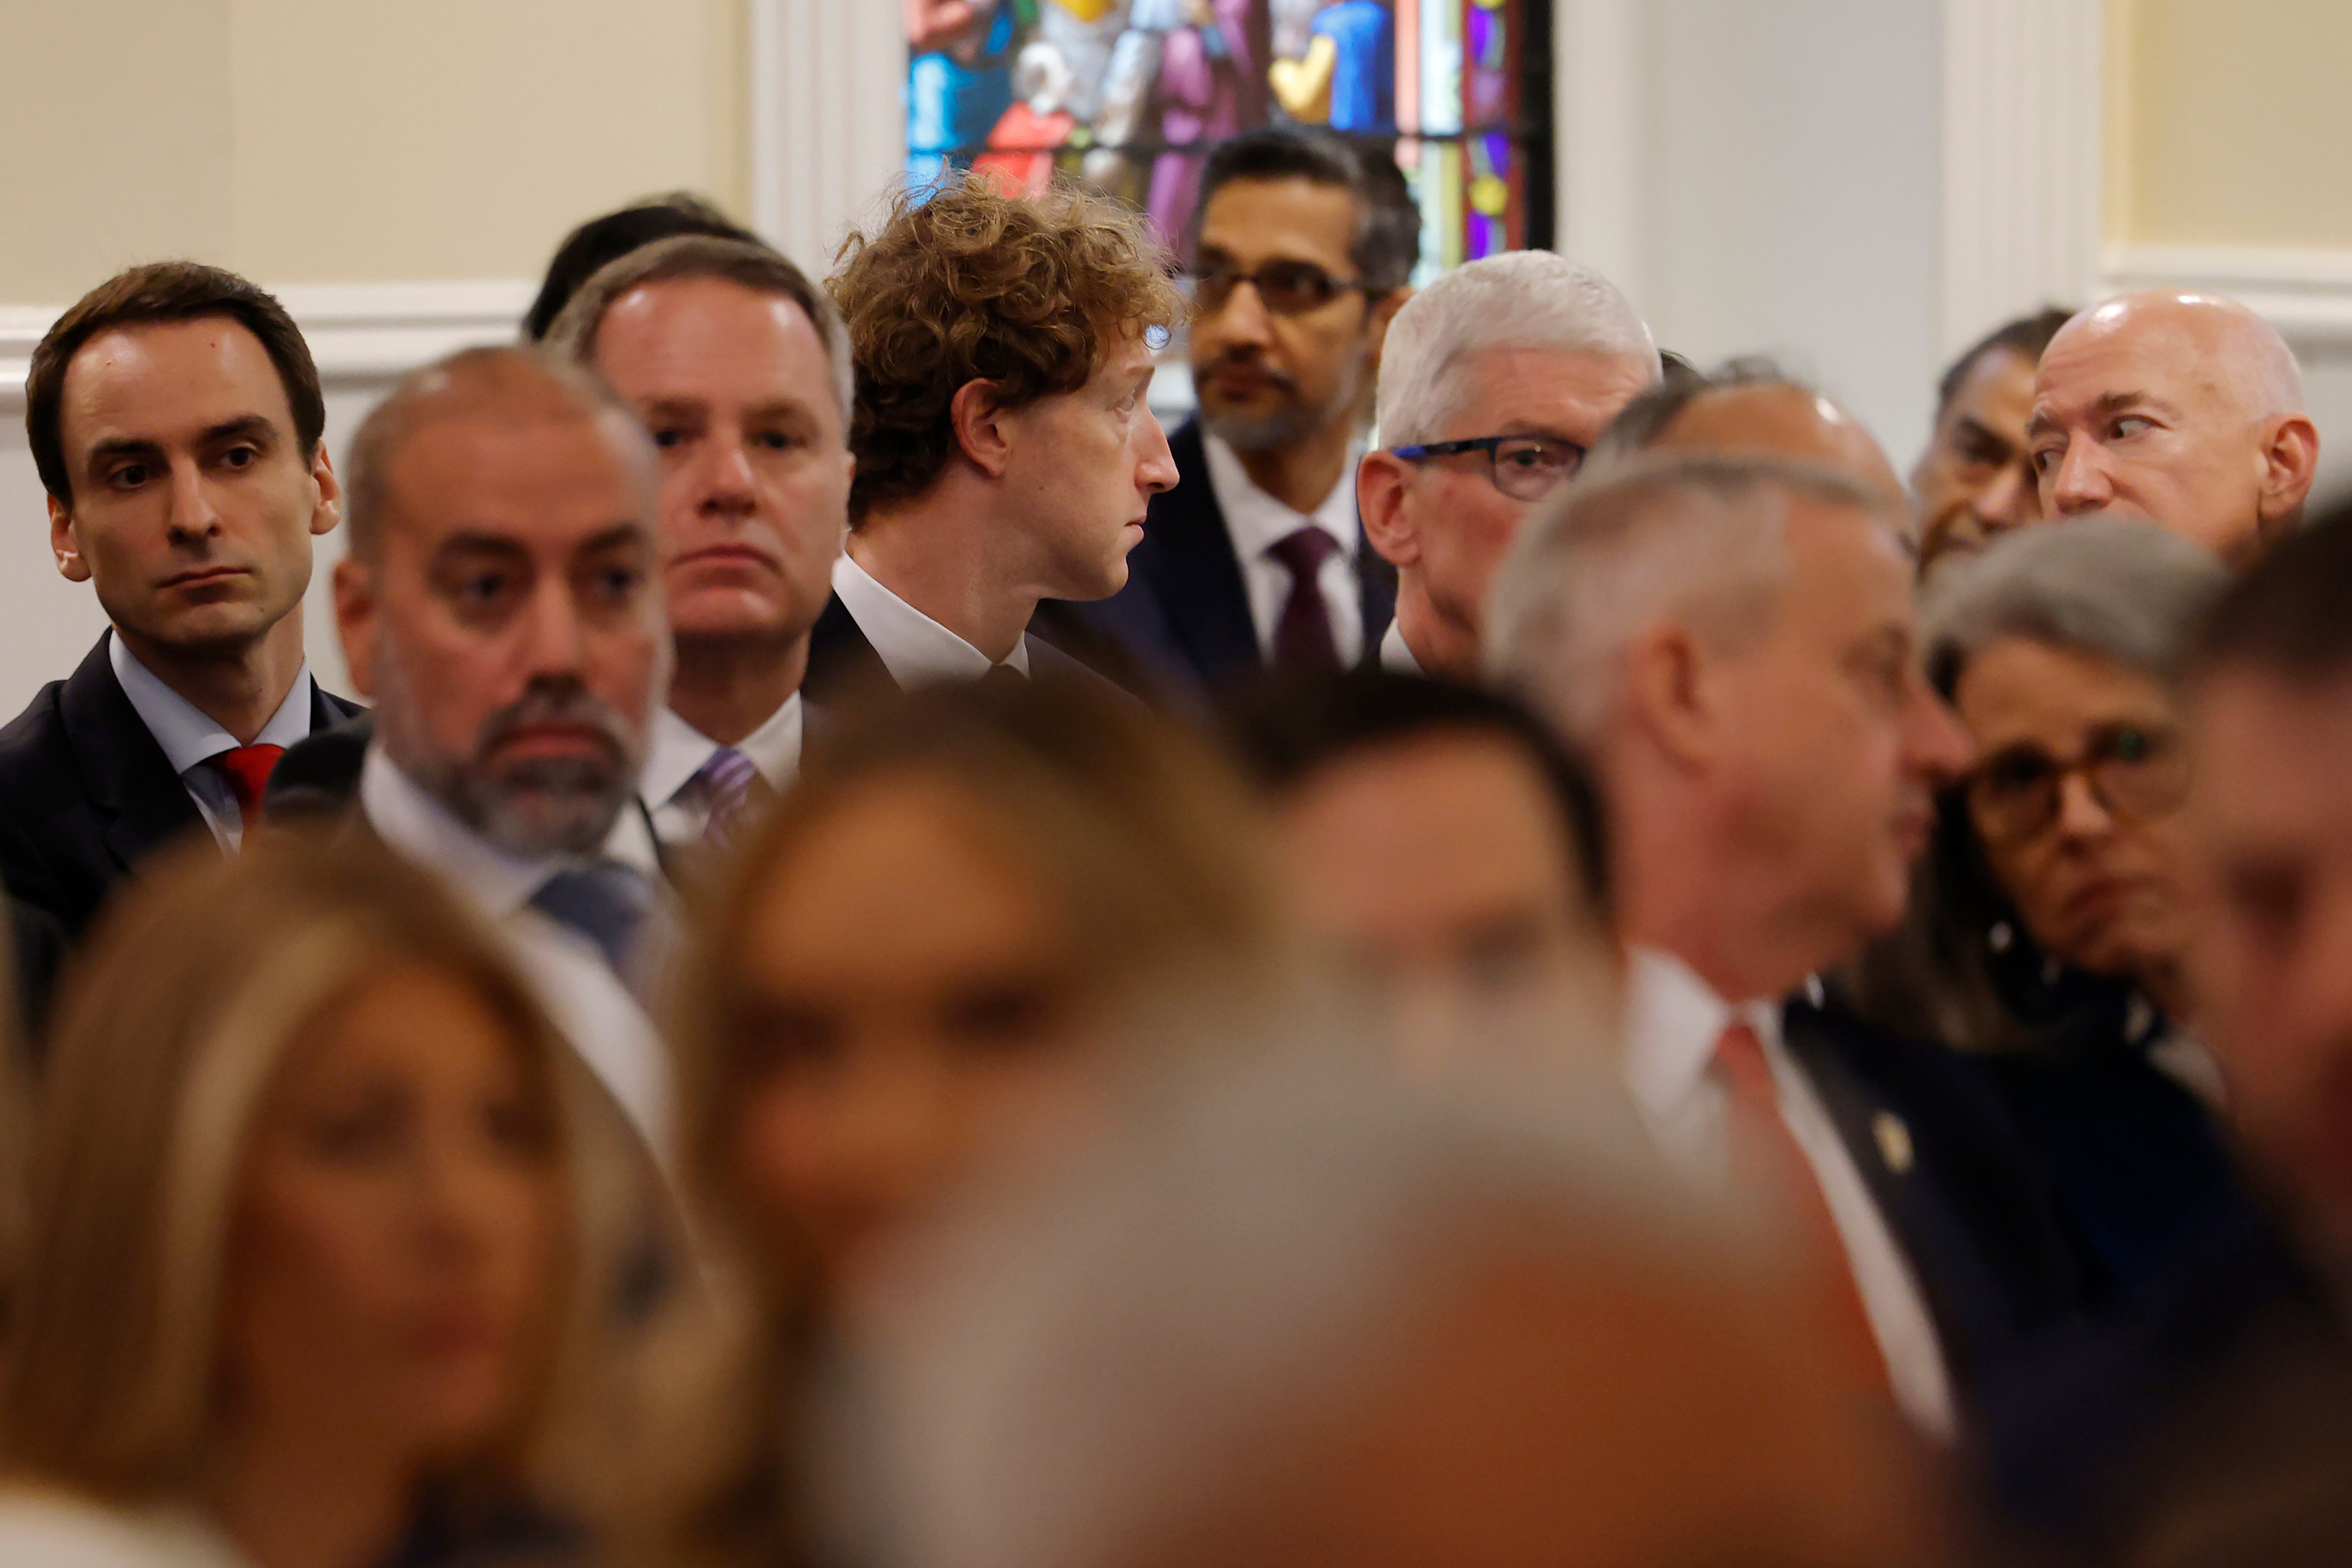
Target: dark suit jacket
845 671
1184 613
1963 1196
85 793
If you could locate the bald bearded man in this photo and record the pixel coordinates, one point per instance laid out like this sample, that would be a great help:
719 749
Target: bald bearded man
1750 407
2184 408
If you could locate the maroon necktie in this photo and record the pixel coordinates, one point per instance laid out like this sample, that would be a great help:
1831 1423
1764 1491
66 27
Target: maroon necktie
248 768
1302 637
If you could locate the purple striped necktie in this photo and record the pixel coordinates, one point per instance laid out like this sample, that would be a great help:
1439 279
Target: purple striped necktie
730 787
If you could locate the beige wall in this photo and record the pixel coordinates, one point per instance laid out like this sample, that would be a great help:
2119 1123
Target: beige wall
2229 124
349 140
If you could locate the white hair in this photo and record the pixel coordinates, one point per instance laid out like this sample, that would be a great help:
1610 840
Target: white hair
1099 1365
1701 536
1522 298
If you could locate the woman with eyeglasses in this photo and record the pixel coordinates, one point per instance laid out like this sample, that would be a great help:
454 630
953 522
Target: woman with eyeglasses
2049 921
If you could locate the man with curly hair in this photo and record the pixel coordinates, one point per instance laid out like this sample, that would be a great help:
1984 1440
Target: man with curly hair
1005 452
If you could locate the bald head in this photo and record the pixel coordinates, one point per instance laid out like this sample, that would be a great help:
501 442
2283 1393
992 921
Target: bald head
502 385
2184 408
1750 408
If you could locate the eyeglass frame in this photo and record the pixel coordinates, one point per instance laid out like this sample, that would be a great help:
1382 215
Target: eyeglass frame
2086 764
1237 276
1492 446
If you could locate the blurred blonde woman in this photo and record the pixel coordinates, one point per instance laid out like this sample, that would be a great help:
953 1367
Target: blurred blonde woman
924 971
308 1265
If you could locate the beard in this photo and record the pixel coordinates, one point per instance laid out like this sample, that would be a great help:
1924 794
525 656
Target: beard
1293 419
530 808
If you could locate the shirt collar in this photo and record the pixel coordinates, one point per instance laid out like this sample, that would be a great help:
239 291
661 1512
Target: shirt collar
188 735
1394 653
1256 521
1673 1021
916 649
422 829
679 750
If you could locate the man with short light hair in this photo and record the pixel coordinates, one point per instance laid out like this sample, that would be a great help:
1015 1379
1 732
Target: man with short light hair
1495 381
740 367
2184 408
1733 640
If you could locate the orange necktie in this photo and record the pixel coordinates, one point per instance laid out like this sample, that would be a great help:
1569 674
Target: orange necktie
248 768
1764 1152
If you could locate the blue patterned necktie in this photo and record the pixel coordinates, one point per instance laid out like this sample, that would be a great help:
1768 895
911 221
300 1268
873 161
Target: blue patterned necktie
604 902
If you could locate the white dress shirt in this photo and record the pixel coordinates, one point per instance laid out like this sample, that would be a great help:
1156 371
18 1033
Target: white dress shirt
191 739
1256 522
1395 656
916 649
581 993
679 750
1672 1022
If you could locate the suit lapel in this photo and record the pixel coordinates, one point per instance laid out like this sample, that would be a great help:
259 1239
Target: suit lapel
125 775
1192 569
842 667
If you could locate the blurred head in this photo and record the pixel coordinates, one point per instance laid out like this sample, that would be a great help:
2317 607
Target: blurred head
175 416
1732 640
600 241
1525 345
1004 348
1750 407
302 1181
2185 409
1976 479
1301 251
1346 1324
2058 649
906 982
1448 846
2271 842
740 368
499 603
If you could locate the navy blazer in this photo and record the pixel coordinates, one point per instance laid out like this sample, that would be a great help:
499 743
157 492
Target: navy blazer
1962 1194
843 669
1184 613
86 792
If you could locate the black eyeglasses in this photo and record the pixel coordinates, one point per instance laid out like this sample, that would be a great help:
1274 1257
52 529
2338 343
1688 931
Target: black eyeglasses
2135 772
1284 288
1523 468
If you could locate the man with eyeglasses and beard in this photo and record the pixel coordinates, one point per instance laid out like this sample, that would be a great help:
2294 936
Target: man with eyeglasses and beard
1301 250
1497 380
499 605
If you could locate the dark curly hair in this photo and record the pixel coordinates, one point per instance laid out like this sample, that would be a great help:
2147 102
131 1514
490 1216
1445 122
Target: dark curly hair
967 284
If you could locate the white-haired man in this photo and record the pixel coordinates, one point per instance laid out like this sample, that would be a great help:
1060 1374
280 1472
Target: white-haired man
1495 381
1732 639
2184 408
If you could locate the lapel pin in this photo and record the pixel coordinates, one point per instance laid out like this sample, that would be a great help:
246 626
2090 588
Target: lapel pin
1893 1142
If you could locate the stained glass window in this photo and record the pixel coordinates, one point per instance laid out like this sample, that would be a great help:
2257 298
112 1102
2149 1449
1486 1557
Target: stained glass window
1130 93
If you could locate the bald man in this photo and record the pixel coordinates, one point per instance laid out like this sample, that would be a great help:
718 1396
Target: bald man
2185 409
1750 407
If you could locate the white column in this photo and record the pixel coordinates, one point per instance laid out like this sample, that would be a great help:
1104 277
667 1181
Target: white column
828 118
2023 124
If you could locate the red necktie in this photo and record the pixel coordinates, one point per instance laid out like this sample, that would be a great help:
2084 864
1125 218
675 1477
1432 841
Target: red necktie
1302 637
1764 1152
248 768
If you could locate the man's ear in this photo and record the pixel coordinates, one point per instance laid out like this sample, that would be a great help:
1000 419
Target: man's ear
981 422
330 510
64 543
2290 464
355 621
1384 309
1383 496
1669 695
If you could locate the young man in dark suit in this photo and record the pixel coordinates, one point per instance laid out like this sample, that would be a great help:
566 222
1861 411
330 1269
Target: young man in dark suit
175 417
1301 253
1006 450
